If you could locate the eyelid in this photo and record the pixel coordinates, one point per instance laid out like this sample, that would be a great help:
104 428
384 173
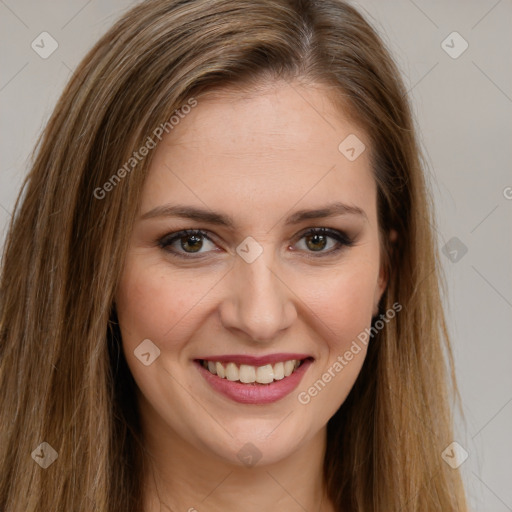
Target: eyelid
321 230
170 238
341 237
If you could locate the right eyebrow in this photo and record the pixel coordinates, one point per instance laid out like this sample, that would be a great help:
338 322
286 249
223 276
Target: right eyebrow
189 212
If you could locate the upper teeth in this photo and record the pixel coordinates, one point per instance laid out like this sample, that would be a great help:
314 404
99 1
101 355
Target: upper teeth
247 373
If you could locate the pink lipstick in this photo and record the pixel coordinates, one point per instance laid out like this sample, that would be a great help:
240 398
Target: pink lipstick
269 367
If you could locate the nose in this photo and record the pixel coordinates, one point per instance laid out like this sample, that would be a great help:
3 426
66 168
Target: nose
258 302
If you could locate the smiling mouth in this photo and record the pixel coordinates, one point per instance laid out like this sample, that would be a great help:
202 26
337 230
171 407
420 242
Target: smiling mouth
248 374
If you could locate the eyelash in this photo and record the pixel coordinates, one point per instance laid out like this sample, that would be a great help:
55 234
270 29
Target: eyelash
342 238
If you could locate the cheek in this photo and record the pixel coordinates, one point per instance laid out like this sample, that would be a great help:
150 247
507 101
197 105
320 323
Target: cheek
344 310
146 304
157 304
343 302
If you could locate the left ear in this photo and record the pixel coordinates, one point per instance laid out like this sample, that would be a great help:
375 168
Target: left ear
379 289
383 278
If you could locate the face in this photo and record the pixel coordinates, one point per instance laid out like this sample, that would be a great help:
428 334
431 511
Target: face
281 262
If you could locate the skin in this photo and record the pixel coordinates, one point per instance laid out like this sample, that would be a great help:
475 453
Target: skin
258 157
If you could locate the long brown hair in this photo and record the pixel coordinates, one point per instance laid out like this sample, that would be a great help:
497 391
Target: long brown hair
63 375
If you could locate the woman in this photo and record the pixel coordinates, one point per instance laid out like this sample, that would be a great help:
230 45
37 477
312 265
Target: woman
220 287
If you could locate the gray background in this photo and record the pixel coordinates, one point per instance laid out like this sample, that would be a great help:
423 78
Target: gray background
463 108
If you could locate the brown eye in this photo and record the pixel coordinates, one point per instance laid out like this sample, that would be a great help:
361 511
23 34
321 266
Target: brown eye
191 243
316 242
324 241
186 242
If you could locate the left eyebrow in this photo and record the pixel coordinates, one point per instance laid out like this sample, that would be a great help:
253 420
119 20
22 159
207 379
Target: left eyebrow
328 211
199 214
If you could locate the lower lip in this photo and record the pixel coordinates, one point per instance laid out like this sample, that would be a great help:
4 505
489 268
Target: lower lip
255 393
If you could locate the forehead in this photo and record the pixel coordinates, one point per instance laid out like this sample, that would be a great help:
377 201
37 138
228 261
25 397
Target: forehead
262 150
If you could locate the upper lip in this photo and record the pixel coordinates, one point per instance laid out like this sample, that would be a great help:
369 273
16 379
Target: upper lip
253 360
